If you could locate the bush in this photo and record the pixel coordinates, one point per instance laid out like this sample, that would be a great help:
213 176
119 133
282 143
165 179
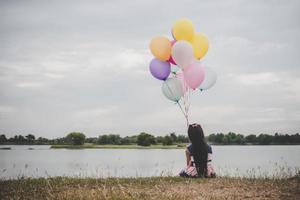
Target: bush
76 138
182 139
264 139
251 139
109 139
3 139
145 139
168 140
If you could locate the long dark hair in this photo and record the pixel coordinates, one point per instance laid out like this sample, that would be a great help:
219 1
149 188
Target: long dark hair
199 148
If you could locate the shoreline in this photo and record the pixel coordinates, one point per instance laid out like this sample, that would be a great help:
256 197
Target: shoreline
150 188
117 147
134 146
131 146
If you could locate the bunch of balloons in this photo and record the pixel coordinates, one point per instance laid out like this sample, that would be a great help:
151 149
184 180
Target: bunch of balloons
185 51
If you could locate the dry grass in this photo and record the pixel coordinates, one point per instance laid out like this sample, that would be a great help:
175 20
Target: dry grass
150 188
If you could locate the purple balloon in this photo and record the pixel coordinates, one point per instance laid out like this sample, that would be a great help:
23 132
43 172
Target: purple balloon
160 69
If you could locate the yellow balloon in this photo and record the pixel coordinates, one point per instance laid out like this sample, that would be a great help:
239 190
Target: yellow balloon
183 29
161 48
200 45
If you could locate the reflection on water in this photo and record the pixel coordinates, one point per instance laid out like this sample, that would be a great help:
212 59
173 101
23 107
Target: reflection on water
41 161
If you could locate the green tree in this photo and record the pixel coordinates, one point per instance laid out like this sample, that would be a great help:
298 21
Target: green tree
3 139
295 139
239 139
18 139
133 139
212 138
182 139
109 139
250 139
103 139
231 138
76 138
226 139
125 140
114 139
168 140
159 139
92 140
219 138
264 139
42 140
145 139
174 137
30 138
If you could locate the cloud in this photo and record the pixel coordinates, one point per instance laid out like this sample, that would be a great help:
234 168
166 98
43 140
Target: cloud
54 75
256 79
94 112
29 85
7 109
86 67
131 58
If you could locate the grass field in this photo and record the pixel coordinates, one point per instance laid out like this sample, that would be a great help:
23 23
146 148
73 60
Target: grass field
150 188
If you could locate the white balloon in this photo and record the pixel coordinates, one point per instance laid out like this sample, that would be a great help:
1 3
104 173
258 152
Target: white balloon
209 79
183 53
172 89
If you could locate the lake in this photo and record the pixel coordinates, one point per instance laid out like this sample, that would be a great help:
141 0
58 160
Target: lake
41 161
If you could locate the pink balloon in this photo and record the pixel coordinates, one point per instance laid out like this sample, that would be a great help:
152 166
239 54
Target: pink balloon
194 75
171 60
179 76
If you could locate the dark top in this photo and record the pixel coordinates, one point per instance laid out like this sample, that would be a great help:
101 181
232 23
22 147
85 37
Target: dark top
190 147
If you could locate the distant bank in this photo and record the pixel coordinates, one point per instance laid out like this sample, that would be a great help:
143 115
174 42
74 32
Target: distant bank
143 139
133 146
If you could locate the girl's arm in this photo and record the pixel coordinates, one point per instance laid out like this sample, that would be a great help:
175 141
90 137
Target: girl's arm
188 157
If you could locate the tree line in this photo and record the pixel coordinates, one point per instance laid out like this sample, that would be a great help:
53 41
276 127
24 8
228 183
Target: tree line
262 139
146 139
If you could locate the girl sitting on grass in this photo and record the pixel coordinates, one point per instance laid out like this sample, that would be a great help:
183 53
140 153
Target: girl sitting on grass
201 153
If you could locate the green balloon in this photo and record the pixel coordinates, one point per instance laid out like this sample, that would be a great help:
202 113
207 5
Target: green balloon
172 89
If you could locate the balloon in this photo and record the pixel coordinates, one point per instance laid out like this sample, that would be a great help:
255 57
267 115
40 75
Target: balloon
183 29
209 79
172 89
160 69
171 60
183 54
194 75
180 76
200 45
161 48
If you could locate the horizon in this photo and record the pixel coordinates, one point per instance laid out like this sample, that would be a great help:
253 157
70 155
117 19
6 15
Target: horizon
136 134
72 65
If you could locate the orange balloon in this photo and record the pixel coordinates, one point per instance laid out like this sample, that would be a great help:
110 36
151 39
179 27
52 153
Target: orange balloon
161 48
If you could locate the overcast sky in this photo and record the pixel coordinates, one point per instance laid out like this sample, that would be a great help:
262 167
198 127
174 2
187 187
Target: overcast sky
83 66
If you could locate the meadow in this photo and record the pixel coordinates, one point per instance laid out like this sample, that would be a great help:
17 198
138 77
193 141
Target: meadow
150 188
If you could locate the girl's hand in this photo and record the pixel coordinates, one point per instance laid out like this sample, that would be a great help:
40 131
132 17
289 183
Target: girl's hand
190 164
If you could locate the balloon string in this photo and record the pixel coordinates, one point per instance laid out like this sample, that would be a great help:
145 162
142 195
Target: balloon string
185 115
186 100
186 108
178 103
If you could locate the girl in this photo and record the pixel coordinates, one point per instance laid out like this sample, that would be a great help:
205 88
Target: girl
201 152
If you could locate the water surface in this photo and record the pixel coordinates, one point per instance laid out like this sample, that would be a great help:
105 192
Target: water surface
42 161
